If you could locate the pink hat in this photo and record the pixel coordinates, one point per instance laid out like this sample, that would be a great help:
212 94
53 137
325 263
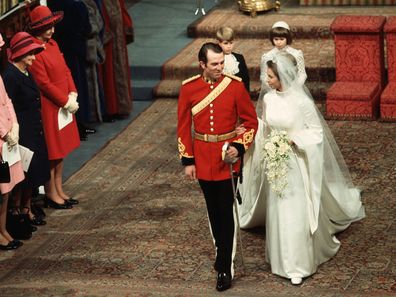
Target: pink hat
41 16
21 44
1 41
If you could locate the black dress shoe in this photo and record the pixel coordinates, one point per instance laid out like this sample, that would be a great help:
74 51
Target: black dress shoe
37 221
49 203
223 281
16 243
72 201
27 221
7 247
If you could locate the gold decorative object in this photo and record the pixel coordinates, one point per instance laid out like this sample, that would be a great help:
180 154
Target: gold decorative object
254 6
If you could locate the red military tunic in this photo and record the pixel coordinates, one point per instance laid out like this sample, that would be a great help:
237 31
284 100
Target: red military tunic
55 82
231 107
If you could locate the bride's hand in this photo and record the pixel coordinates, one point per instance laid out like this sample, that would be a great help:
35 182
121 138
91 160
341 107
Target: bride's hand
240 129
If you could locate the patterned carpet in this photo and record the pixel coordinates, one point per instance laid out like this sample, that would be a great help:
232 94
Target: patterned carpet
141 227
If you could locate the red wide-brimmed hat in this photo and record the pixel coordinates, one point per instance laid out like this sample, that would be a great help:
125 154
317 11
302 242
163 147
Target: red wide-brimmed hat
41 17
21 44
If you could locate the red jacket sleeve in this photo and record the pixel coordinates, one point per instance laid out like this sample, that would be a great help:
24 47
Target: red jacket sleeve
184 122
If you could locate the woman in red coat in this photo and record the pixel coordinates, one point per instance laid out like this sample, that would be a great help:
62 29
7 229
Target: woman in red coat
58 94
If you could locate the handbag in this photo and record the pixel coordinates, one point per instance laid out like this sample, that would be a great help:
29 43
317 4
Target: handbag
4 172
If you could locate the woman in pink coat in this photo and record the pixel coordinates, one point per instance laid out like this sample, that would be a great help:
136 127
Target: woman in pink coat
9 134
58 94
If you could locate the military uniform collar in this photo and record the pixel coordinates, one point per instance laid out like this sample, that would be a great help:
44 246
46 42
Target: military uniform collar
211 82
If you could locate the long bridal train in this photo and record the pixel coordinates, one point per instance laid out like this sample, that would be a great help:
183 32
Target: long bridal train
296 242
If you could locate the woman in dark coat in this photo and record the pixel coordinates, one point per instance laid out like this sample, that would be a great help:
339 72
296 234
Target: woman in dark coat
25 96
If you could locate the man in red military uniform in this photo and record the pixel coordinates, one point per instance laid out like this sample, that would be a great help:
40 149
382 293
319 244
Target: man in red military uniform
215 104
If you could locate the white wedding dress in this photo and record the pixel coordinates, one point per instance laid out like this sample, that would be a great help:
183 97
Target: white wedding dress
300 226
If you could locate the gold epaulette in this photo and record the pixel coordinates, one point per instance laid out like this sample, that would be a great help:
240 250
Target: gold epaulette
191 79
233 77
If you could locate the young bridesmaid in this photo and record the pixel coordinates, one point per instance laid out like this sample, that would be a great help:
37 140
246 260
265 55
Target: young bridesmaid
281 38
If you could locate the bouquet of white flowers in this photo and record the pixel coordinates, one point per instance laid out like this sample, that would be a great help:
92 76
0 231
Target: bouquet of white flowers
276 155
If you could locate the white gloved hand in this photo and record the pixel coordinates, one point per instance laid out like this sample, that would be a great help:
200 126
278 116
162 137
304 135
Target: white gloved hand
14 132
72 104
11 141
73 95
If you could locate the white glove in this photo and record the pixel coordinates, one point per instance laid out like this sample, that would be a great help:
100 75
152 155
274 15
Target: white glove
11 140
73 94
14 132
225 154
72 104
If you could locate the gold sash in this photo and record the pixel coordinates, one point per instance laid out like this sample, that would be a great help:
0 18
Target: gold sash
211 96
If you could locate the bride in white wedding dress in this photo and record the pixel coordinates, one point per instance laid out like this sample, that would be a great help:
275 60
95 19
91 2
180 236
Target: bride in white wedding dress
319 199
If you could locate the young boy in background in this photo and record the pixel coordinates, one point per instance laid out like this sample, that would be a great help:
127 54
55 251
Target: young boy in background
234 63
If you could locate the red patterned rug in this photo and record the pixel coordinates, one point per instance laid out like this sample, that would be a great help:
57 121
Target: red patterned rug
141 228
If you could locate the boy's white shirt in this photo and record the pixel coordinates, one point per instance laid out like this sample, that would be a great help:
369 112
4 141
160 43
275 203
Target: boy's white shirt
231 64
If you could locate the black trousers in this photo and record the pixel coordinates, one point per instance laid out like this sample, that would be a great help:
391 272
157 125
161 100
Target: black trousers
219 202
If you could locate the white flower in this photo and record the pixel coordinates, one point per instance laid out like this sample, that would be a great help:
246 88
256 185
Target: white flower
276 154
283 148
275 139
269 146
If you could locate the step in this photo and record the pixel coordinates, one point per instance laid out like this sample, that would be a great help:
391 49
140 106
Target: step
145 72
318 55
169 88
247 27
346 2
305 22
142 90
